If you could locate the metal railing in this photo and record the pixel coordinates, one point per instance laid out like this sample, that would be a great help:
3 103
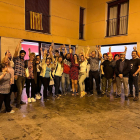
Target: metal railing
117 26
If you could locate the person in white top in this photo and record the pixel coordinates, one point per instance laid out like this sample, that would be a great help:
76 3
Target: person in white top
82 72
57 76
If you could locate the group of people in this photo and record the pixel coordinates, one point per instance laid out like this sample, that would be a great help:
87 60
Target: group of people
67 71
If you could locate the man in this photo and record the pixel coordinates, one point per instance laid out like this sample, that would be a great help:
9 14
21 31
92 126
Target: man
122 72
108 70
105 57
19 72
94 70
133 75
66 70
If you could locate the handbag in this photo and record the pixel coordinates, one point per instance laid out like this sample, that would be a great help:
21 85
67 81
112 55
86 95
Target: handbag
27 72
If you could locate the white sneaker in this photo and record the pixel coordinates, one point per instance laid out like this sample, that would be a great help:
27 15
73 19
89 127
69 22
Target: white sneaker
29 100
12 111
33 100
38 97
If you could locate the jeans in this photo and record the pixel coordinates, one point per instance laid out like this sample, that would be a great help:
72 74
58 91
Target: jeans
32 81
38 85
87 89
119 82
96 76
65 81
45 82
57 80
82 77
133 80
20 85
6 99
104 85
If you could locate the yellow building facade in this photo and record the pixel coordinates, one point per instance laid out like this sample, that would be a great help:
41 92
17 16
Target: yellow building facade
64 24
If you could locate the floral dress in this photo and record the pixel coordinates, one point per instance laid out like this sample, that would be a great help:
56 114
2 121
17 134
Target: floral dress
74 71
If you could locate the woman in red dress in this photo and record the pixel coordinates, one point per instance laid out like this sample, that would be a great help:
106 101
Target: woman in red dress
74 72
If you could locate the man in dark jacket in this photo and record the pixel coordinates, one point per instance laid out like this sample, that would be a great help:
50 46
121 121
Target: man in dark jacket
122 72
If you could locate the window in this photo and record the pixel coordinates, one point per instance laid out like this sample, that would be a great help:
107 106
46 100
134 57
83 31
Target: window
117 20
37 15
81 26
34 46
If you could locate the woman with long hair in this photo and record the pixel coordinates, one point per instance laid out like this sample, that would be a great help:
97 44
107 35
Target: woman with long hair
45 74
82 72
57 76
31 77
74 72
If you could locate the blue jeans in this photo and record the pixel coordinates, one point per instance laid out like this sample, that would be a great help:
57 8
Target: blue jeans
65 81
133 80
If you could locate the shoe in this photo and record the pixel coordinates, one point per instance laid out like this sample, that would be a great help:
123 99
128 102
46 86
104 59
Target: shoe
126 98
91 94
118 96
58 97
33 100
22 103
136 98
82 94
29 100
73 94
18 106
38 96
77 93
12 111
130 95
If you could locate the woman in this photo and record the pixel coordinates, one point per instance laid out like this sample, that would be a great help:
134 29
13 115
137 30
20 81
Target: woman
45 74
6 61
82 73
57 76
74 72
31 77
38 85
5 85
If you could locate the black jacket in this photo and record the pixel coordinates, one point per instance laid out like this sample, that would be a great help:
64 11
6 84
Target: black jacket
126 68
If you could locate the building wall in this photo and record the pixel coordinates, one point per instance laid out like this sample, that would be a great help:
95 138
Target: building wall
64 21
96 23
